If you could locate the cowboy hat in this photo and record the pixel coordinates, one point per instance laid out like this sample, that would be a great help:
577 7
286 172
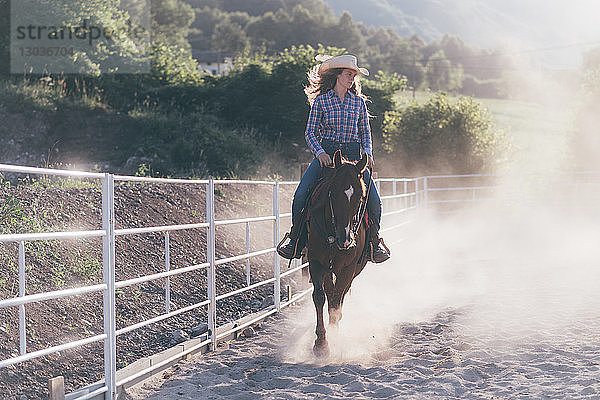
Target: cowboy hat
346 61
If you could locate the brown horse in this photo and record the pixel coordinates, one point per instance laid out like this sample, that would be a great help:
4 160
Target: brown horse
336 239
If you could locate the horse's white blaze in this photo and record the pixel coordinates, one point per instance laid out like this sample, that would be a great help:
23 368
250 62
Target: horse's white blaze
348 238
349 192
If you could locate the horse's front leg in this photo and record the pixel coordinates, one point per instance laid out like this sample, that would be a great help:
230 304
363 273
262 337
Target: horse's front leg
321 347
333 304
335 295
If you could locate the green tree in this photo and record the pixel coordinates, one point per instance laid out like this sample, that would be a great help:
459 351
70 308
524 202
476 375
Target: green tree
171 22
317 8
252 7
381 90
173 65
345 34
203 27
269 31
171 53
4 36
116 51
441 74
229 37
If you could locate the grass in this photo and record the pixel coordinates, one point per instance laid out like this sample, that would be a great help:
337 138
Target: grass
43 95
59 182
17 217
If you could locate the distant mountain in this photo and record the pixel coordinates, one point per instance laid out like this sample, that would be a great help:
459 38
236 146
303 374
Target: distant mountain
563 29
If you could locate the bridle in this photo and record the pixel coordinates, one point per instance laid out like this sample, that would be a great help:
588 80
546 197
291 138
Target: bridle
357 218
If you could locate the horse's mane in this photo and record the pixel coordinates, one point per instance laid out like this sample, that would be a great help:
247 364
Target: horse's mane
320 193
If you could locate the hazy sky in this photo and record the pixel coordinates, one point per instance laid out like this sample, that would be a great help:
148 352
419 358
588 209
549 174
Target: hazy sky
573 19
555 31
565 28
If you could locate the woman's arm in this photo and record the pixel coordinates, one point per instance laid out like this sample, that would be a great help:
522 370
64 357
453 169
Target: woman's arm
364 132
312 128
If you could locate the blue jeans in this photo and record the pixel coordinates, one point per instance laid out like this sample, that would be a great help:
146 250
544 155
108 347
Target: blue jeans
314 171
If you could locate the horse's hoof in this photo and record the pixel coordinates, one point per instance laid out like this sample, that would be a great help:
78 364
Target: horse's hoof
321 348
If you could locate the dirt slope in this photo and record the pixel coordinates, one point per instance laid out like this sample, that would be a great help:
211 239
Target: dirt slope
53 265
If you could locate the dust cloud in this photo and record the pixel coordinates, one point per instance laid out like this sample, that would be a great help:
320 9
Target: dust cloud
522 264
506 273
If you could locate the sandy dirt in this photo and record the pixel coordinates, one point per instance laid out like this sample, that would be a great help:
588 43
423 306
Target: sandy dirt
416 333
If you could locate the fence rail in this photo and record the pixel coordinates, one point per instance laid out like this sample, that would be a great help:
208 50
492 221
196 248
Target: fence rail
400 200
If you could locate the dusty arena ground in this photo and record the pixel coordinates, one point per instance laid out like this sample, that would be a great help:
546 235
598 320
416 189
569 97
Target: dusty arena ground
477 310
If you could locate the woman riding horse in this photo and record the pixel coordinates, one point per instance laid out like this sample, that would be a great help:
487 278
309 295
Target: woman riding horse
339 116
336 239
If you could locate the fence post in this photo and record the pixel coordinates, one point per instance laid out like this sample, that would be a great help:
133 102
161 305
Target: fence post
108 276
22 323
394 190
210 255
167 268
56 388
418 192
248 252
425 192
276 266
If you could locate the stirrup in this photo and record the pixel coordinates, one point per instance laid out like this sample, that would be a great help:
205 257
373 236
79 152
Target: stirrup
296 253
287 235
382 242
372 251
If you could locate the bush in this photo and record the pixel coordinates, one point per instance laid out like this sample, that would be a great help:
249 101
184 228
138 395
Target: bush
267 93
443 137
217 150
585 142
195 142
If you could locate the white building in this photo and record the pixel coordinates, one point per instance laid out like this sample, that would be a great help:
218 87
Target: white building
213 62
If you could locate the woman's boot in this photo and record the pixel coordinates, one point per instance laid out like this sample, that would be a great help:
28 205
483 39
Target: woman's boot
379 251
297 240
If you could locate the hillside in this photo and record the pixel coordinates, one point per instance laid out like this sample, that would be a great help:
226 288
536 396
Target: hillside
431 19
485 23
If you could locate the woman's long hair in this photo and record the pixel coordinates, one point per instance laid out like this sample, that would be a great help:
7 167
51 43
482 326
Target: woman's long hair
319 83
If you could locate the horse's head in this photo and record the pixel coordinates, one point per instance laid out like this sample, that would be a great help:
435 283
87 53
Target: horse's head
346 191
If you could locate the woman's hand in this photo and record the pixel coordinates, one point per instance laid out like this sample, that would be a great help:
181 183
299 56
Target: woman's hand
370 161
324 159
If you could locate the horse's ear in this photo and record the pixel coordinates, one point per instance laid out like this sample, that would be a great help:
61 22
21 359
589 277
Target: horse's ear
362 163
337 159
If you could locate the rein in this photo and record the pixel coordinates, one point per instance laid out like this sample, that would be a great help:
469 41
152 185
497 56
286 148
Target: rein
363 204
357 217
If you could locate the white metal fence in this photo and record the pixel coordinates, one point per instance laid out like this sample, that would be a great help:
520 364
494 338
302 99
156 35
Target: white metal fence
448 194
400 197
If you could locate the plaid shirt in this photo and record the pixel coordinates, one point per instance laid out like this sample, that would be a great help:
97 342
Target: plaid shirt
345 122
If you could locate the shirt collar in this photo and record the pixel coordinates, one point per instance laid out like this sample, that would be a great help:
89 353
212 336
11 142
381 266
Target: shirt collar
332 93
